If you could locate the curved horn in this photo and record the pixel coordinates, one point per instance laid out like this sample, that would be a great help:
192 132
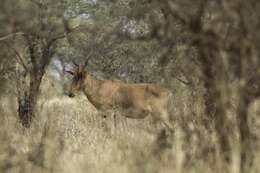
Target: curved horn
86 62
74 62
70 72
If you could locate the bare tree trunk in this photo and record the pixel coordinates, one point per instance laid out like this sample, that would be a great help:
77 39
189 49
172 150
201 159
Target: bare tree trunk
216 114
246 154
29 84
210 104
214 75
27 97
215 104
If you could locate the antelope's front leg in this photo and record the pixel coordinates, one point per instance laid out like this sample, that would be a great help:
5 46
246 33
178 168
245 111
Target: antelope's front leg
114 122
163 116
114 118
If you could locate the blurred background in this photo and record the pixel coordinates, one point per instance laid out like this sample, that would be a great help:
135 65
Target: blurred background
206 52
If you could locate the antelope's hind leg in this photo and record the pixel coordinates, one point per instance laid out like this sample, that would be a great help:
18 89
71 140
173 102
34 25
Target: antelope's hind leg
163 116
135 113
114 122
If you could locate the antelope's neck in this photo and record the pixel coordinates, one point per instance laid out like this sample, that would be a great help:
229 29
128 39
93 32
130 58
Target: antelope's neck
90 85
91 89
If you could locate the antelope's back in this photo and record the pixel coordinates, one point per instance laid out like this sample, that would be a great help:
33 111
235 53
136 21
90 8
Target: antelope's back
145 96
135 95
150 90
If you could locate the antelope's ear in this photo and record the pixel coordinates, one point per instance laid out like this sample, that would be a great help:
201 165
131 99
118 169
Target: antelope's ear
70 72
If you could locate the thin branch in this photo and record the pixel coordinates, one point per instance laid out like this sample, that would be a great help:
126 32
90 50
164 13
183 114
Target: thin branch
3 38
169 8
183 81
61 36
18 56
47 50
39 4
53 40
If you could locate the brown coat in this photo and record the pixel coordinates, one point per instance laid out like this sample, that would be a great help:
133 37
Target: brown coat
136 100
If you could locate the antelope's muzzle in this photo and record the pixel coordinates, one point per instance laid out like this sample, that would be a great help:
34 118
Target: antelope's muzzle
71 95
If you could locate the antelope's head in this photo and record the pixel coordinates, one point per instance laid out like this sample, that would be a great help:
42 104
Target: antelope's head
77 82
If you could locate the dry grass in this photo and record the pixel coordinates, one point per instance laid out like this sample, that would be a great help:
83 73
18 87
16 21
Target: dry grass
69 135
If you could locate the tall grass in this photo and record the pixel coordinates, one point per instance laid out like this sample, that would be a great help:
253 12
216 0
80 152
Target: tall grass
69 135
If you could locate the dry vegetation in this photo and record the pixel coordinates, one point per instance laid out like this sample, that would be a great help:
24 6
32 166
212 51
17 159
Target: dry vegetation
206 53
69 135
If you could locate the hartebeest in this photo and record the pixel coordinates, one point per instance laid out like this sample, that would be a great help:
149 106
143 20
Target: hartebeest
136 100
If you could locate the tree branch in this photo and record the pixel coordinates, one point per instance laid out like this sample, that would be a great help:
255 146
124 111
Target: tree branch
18 56
183 81
38 4
3 38
62 35
31 52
